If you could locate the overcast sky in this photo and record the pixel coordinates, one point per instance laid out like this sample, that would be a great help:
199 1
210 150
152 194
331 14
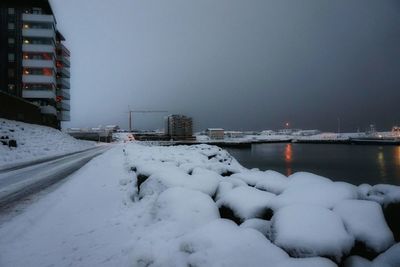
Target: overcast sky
236 64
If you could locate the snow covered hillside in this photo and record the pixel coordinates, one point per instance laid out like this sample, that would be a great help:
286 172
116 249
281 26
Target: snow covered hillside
21 142
139 205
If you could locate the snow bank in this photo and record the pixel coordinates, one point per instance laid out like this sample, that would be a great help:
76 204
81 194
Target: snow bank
263 226
308 231
365 221
381 193
35 142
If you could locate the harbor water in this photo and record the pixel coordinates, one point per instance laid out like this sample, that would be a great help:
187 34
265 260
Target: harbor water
355 164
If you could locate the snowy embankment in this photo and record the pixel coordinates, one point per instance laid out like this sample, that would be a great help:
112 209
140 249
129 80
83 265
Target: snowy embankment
21 142
141 205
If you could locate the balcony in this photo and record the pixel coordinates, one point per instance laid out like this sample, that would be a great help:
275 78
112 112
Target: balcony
63 50
63 105
63 83
64 72
38 63
64 94
46 94
38 18
38 48
43 33
64 116
38 79
64 61
48 110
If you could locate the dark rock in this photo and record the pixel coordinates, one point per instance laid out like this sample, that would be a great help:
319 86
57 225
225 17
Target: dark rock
227 173
392 216
140 180
133 169
12 143
212 156
227 213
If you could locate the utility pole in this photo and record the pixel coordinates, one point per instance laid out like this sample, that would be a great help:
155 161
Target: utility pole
130 120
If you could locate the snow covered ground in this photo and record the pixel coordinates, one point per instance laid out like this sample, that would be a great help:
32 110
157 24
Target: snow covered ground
142 205
35 142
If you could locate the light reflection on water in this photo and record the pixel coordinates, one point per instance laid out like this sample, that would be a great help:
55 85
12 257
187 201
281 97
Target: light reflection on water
288 158
356 164
381 164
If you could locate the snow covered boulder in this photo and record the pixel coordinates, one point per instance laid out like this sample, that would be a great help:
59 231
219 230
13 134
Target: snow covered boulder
201 179
244 202
365 221
325 194
357 261
187 208
309 231
260 225
273 182
390 258
389 197
306 262
223 243
301 178
250 177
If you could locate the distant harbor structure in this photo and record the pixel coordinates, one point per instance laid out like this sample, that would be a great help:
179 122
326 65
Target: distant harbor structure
215 133
179 127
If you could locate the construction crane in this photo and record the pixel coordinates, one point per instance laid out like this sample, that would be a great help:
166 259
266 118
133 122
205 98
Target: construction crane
141 111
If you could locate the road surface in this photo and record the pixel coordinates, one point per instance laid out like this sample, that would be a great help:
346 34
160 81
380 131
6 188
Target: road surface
20 182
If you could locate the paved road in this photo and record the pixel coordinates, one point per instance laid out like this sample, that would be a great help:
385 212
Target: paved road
18 183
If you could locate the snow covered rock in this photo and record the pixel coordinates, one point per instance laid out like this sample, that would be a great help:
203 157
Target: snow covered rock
273 182
390 258
263 226
244 202
223 243
357 261
188 208
250 177
306 262
389 197
309 231
325 194
201 179
365 221
301 178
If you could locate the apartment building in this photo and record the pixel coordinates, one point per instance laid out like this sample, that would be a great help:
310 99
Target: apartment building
34 61
179 127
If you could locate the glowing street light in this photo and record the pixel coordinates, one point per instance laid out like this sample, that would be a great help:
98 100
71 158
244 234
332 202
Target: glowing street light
287 124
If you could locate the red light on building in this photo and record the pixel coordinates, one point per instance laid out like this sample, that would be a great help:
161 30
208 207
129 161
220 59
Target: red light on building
59 99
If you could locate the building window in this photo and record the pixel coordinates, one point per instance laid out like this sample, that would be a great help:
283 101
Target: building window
11 57
11 73
11 11
36 10
11 40
11 26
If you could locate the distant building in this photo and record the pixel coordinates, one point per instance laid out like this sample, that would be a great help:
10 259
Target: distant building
215 133
34 63
179 127
233 134
306 132
112 128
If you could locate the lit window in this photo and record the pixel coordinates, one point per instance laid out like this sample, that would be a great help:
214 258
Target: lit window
26 72
11 26
11 57
11 40
11 87
26 26
26 56
11 11
26 41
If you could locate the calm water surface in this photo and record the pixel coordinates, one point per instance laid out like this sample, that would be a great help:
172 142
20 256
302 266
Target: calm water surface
355 164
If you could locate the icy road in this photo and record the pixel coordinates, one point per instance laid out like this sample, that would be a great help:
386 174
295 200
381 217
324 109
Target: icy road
19 182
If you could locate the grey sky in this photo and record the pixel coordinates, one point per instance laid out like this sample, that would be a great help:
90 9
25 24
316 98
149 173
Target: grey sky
237 64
